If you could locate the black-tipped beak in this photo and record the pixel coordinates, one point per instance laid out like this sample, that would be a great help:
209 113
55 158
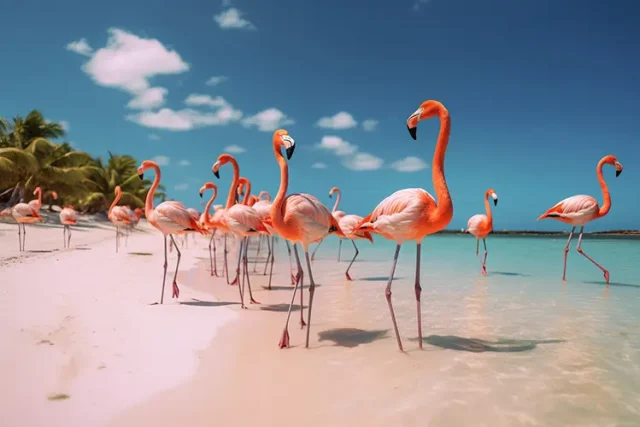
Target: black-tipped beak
290 151
216 174
618 172
412 132
495 202
201 195
330 195
141 175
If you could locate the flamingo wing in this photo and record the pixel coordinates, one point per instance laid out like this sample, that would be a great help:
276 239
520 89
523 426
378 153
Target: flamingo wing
24 211
476 223
194 213
35 204
244 219
575 210
68 216
121 214
349 225
173 218
311 216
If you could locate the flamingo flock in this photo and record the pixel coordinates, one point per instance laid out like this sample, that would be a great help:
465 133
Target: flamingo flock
300 219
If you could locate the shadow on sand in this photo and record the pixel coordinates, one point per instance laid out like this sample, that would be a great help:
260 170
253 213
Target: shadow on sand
280 308
287 288
477 345
41 251
603 283
380 278
81 248
141 253
200 303
351 337
507 273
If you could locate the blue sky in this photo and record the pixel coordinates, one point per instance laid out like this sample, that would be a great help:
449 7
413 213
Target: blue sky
538 92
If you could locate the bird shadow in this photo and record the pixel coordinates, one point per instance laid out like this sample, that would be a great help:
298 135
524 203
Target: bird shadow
351 337
287 288
140 253
508 273
478 345
603 283
199 303
280 308
41 251
80 248
379 279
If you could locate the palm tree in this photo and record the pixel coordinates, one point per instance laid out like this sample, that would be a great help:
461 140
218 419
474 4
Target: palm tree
21 131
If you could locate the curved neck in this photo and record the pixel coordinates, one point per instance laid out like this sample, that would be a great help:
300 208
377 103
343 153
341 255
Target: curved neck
247 192
276 207
148 203
39 191
335 205
206 217
445 205
231 199
606 197
115 201
487 206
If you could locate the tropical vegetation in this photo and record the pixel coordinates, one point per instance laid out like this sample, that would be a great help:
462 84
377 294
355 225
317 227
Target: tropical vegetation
30 157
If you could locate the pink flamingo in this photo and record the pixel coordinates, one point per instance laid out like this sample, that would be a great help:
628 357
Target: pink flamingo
481 225
337 214
205 222
580 209
24 213
242 220
68 217
300 219
170 218
413 214
37 203
118 215
348 224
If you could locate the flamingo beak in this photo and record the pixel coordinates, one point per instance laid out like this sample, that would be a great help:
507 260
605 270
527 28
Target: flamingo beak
216 174
413 131
141 175
290 151
618 169
495 202
618 172
201 195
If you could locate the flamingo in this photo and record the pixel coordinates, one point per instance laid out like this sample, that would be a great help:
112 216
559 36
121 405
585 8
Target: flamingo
580 209
118 215
68 217
300 219
24 213
170 218
205 222
412 213
337 214
37 203
481 225
348 224
243 221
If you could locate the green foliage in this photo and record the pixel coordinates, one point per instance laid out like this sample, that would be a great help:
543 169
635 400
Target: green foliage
29 159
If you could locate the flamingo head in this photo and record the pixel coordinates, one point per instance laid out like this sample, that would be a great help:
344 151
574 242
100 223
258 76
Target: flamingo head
281 138
611 160
117 190
242 183
206 186
426 110
146 164
491 193
333 190
223 159
37 190
54 195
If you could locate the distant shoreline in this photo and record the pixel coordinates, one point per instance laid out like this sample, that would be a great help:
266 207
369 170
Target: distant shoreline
531 233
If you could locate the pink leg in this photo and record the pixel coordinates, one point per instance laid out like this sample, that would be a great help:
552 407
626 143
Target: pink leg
293 278
164 276
313 255
484 260
339 249
284 341
566 252
273 242
269 240
300 278
238 275
581 252
312 289
477 245
255 264
246 272
418 291
351 263
211 254
176 290
387 293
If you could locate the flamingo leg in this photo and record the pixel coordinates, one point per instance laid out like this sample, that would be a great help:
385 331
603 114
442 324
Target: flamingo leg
293 278
269 253
566 252
117 237
64 236
484 260
211 253
24 237
164 277
255 264
273 243
68 236
313 255
339 249
215 260
418 290
225 268
387 294
300 278
284 341
581 252
176 290
246 272
238 275
312 288
346 273
20 236
477 245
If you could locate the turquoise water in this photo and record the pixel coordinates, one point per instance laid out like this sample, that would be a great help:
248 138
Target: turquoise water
518 347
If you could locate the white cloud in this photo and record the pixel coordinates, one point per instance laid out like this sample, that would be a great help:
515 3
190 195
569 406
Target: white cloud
232 19
409 164
268 120
418 3
80 47
152 97
370 125
184 163
363 162
161 160
185 119
236 149
181 187
64 125
338 145
319 165
154 137
341 120
128 61
216 80
196 99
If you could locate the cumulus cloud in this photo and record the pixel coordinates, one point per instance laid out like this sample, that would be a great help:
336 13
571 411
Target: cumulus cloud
235 149
161 160
198 100
181 187
80 47
409 164
341 120
185 119
152 97
319 165
363 162
184 163
216 80
337 145
232 19
370 125
268 120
